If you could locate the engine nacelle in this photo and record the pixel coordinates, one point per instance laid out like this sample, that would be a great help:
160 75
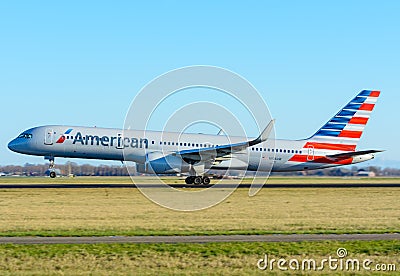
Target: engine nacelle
362 158
159 164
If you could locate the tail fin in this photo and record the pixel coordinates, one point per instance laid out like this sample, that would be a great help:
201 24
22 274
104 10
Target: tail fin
344 130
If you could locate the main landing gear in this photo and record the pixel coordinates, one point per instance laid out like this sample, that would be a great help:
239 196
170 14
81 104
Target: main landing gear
197 180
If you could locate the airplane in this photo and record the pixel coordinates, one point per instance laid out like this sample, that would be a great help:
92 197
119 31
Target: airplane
334 144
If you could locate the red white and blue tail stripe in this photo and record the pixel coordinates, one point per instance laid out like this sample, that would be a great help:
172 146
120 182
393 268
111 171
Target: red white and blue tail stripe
344 130
335 142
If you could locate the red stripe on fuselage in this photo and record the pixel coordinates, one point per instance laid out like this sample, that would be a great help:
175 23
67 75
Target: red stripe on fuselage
329 146
320 159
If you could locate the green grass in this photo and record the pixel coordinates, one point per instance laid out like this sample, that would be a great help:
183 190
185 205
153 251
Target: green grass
192 259
97 212
108 212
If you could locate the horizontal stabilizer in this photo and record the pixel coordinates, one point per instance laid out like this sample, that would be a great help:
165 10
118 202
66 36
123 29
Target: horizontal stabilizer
352 154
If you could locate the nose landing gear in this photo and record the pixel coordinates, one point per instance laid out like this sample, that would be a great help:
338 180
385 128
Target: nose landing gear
52 170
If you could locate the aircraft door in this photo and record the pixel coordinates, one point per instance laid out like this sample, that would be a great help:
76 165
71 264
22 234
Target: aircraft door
310 153
48 137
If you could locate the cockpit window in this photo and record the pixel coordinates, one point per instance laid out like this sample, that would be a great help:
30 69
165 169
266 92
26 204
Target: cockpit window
25 135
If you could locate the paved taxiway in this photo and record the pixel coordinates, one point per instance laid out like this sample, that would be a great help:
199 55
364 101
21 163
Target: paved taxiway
220 185
199 239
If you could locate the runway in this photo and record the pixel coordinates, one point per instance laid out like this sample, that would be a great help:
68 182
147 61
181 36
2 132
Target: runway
199 239
220 185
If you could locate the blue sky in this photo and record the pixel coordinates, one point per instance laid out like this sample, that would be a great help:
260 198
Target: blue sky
82 62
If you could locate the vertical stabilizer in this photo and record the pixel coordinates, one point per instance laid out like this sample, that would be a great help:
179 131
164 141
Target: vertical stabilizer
344 130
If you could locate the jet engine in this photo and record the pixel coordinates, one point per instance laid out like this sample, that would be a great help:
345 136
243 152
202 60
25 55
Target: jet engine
162 164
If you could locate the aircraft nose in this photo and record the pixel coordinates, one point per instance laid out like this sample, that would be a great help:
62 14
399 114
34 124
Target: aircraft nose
11 145
14 145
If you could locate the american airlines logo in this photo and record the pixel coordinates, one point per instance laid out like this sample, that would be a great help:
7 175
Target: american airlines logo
118 141
62 137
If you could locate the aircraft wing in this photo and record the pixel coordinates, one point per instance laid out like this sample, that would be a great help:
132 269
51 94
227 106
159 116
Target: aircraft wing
346 155
211 153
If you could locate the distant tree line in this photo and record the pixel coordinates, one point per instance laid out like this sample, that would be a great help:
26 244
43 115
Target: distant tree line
66 169
121 170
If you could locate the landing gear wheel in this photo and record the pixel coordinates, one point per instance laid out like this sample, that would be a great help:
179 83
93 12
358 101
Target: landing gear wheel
189 180
197 180
53 174
206 180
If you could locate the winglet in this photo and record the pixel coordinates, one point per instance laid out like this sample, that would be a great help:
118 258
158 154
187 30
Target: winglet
264 135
